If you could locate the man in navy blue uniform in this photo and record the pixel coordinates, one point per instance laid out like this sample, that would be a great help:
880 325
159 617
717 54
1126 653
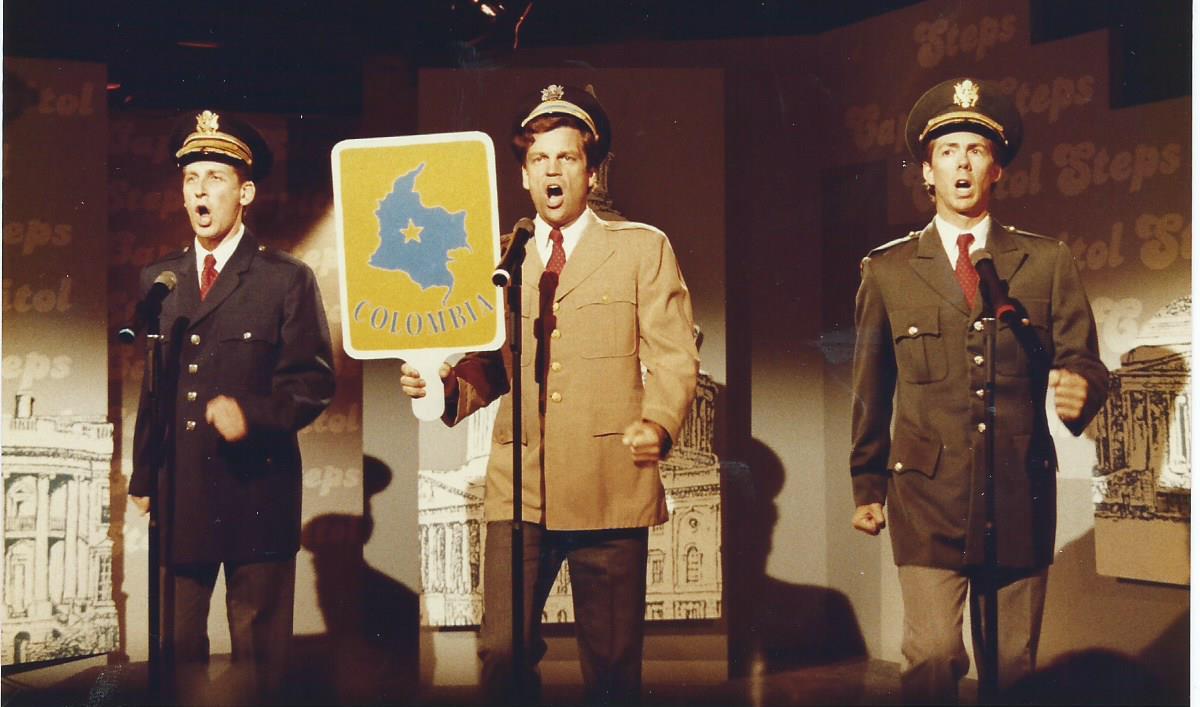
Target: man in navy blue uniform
247 364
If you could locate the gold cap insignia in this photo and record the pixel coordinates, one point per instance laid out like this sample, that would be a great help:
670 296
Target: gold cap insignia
553 92
208 123
966 94
209 138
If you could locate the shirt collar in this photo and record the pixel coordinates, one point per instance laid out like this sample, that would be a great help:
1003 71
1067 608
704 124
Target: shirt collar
223 252
571 233
949 234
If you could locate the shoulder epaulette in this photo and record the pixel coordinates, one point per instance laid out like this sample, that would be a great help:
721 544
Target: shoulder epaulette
892 244
174 255
1019 232
630 225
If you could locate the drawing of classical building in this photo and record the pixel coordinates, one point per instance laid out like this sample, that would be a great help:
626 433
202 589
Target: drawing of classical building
57 571
683 570
1144 440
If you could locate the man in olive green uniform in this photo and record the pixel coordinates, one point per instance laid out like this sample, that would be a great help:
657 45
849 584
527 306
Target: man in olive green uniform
919 388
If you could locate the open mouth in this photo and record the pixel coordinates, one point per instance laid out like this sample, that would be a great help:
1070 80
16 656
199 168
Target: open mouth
554 195
962 184
203 215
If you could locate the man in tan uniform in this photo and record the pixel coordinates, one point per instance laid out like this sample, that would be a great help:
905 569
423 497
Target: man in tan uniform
601 300
920 342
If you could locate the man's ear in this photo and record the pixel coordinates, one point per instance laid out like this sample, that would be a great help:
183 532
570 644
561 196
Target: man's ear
246 195
927 173
524 178
591 179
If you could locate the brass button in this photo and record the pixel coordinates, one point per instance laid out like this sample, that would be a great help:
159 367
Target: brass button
555 366
191 396
912 330
604 298
978 325
556 397
554 307
982 427
556 334
978 360
195 339
1024 321
192 368
899 466
191 425
246 335
980 393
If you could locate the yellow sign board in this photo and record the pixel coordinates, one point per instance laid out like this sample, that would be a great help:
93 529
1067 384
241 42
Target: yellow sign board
418 238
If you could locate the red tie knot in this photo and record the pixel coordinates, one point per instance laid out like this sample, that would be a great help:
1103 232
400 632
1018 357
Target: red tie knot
965 241
556 236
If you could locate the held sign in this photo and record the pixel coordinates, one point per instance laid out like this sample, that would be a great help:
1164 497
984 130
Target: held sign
418 236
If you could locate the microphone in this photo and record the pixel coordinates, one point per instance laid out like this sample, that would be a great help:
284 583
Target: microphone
515 255
149 307
995 292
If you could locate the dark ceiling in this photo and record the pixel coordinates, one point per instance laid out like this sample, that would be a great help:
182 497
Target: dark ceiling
307 55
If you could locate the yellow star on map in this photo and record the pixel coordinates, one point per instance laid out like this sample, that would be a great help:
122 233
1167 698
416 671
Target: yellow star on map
412 232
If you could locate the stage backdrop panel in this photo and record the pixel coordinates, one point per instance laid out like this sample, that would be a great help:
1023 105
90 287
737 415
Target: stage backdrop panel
57 452
666 169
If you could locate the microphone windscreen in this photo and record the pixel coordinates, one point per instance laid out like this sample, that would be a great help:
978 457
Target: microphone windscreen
167 279
525 224
979 255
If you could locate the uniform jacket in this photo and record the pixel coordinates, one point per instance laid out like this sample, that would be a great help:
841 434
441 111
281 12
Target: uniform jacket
621 304
918 342
261 338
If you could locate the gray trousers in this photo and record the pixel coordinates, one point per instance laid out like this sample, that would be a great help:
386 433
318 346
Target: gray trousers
935 658
608 587
258 601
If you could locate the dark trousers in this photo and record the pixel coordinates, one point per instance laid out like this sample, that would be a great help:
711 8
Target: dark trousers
608 586
258 601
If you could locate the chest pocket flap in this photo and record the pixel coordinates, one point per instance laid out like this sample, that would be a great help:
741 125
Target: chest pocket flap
920 353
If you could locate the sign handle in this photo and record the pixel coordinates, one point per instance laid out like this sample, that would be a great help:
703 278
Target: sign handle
427 363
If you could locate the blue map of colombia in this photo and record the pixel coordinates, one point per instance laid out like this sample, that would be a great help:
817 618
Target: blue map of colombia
417 239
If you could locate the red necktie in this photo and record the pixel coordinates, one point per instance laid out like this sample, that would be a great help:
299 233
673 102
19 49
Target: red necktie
547 319
558 256
209 276
964 271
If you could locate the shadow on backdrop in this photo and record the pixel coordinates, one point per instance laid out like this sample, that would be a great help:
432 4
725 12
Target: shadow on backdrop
775 625
369 653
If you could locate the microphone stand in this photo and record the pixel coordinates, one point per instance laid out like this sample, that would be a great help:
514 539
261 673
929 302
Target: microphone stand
989 626
518 536
158 627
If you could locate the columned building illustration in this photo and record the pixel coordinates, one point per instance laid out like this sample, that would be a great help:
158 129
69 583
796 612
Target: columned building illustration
57 569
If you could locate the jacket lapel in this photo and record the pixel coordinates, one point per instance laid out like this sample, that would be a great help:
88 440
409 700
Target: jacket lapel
187 291
932 266
593 249
228 280
1006 252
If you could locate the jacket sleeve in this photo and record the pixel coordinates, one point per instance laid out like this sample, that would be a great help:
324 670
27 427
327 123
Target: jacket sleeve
873 389
1074 332
481 378
667 345
302 382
